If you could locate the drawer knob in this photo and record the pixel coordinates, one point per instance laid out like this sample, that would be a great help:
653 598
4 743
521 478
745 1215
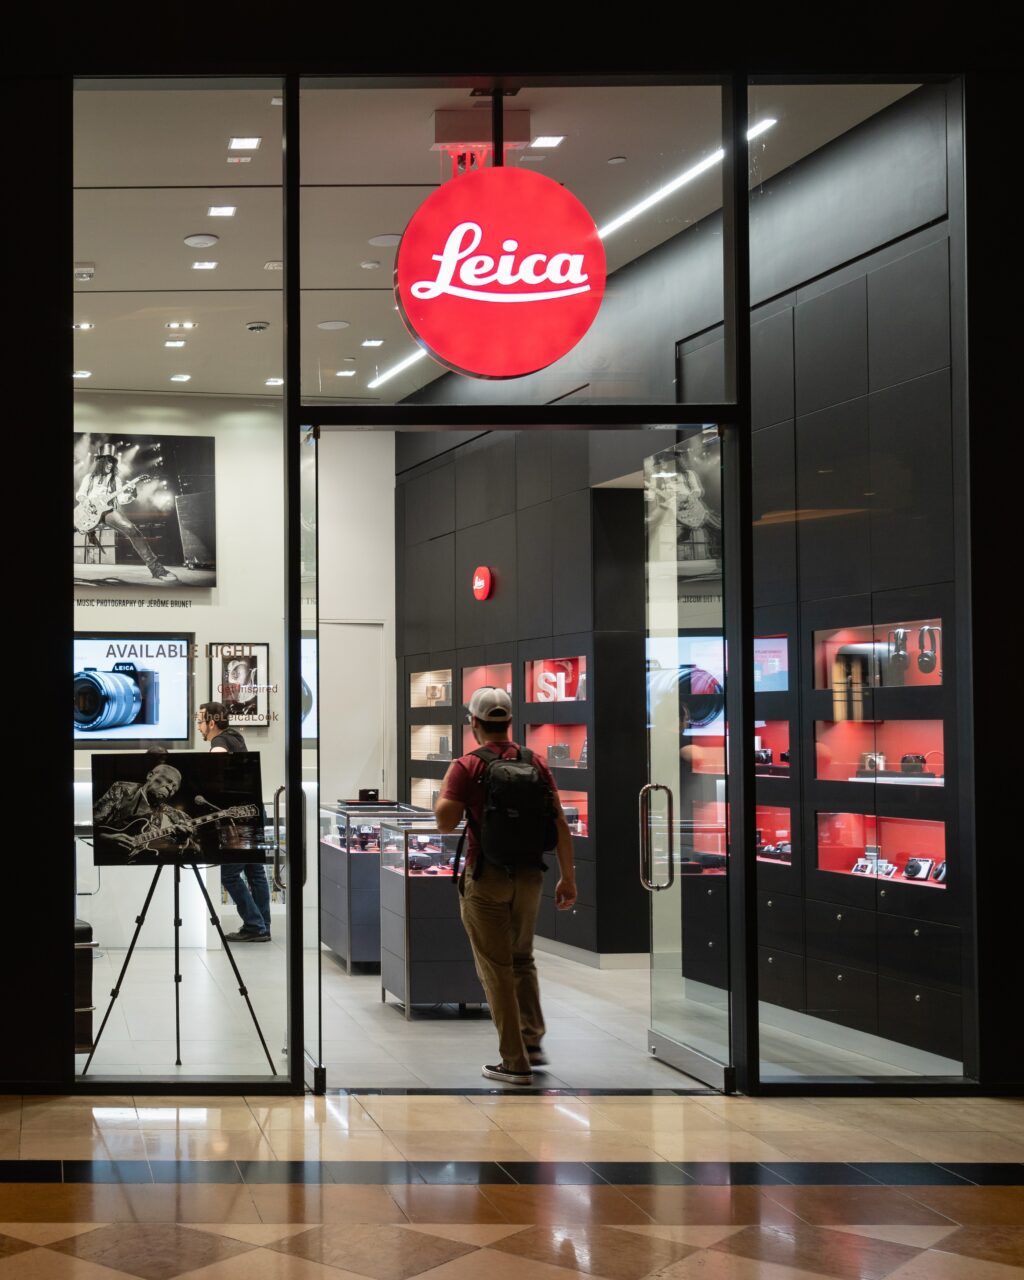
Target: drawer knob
881 893
917 933
839 915
771 959
917 999
769 902
710 892
710 944
839 977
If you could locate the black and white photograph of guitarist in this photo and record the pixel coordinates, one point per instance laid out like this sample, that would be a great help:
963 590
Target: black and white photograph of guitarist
136 816
100 497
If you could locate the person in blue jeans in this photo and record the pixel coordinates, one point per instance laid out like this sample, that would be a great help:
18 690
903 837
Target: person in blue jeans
246 882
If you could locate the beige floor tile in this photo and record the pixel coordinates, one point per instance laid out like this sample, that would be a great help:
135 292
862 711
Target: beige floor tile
936 1265
110 1145
341 1114
10 1144
569 1115
195 1144
323 1144
257 1233
753 1116
961 1145
729 1145
265 1264
44 1264
433 1114
671 1119
599 1145
852 1144
489 1264
236 1119
702 1237
426 1144
921 1237
334 1204
46 1232
709 1265
481 1233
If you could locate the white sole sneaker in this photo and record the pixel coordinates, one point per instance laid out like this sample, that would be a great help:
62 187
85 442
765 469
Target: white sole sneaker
506 1077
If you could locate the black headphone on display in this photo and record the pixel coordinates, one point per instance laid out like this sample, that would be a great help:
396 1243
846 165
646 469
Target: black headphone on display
899 656
927 649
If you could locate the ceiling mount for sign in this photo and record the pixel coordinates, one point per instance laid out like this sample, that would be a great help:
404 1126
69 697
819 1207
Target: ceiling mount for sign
500 273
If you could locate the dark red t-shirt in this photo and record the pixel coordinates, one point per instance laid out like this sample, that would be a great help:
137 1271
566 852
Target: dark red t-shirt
462 783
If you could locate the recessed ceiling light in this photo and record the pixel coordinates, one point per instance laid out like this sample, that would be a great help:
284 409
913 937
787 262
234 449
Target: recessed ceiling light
371 264
548 140
384 242
277 102
221 211
373 342
182 324
239 159
532 159
275 382
345 373
84 326
333 324
760 127
616 159
275 265
244 144
201 241
175 342
82 373
349 359
396 369
181 377
204 266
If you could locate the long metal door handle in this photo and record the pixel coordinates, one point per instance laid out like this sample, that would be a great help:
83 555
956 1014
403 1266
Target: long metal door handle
278 882
304 841
646 868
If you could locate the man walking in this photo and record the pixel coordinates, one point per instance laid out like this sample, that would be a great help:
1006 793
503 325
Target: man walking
500 887
246 882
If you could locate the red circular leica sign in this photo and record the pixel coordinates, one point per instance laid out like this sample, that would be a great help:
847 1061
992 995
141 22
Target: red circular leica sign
482 582
499 273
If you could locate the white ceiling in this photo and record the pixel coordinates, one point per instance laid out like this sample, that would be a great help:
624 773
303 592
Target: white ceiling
150 162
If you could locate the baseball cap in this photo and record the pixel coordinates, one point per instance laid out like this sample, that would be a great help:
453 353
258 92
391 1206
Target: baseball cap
491 704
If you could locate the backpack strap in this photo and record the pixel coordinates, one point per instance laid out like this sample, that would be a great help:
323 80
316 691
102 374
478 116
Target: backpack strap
488 756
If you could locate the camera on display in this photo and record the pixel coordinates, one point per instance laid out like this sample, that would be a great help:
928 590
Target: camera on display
918 868
111 699
872 762
912 762
559 753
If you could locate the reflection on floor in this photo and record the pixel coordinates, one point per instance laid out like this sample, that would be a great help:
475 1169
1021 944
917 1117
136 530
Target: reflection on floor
525 1188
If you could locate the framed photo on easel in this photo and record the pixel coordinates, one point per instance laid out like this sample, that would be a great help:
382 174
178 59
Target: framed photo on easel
240 678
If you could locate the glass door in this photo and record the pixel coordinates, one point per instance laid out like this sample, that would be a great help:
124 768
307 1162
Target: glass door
683 814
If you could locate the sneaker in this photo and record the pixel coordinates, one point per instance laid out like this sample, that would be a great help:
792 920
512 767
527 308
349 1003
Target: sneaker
537 1056
162 573
247 935
502 1073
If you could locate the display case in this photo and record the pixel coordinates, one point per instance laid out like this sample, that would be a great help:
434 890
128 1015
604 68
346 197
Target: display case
430 742
893 655
350 876
576 807
774 834
771 748
426 958
430 689
562 746
482 675
908 851
771 664
424 793
555 679
905 752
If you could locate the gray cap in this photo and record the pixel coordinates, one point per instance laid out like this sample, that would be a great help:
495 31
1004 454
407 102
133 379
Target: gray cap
491 705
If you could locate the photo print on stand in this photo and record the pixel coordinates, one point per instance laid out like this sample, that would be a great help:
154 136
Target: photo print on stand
239 677
144 511
182 806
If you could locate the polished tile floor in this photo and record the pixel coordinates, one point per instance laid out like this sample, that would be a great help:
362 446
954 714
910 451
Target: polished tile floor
490 1186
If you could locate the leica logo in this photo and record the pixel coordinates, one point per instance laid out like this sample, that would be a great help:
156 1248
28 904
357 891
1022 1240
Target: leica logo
478 584
475 271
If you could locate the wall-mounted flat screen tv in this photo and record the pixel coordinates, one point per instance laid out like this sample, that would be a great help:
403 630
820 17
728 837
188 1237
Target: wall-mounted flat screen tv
132 688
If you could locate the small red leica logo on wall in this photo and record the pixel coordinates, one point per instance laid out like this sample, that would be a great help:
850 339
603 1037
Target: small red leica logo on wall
500 273
482 582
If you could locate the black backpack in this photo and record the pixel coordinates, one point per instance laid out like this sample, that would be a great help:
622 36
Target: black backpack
518 825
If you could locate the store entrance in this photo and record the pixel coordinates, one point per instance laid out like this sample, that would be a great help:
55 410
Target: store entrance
569 627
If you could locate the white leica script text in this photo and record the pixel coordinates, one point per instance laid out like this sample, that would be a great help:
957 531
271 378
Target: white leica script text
474 271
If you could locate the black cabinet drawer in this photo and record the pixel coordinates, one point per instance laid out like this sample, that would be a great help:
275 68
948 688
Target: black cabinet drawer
706 958
780 921
921 1016
705 906
577 927
843 994
839 934
546 918
781 978
919 951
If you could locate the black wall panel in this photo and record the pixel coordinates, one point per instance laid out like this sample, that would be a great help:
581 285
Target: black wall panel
570 563
533 467
620 549
831 347
493 620
429 597
485 479
533 581
429 501
702 371
771 369
908 316
912 483
412 448
570 461
774 531
614 454
832 479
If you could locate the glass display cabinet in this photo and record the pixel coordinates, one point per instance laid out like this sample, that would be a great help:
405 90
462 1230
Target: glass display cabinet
425 956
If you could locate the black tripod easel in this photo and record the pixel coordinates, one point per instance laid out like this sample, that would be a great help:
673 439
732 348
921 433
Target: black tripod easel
140 920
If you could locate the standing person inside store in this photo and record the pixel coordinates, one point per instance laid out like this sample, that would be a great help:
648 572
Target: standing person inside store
513 816
246 882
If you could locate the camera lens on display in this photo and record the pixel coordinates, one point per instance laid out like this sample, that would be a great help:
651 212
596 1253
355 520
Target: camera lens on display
307 698
105 700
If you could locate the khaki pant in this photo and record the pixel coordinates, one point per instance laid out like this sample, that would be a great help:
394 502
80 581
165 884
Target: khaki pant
499 912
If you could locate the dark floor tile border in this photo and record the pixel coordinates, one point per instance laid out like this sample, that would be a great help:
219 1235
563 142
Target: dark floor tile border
706 1173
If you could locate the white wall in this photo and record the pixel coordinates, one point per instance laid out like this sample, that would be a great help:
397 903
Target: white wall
246 605
357 561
